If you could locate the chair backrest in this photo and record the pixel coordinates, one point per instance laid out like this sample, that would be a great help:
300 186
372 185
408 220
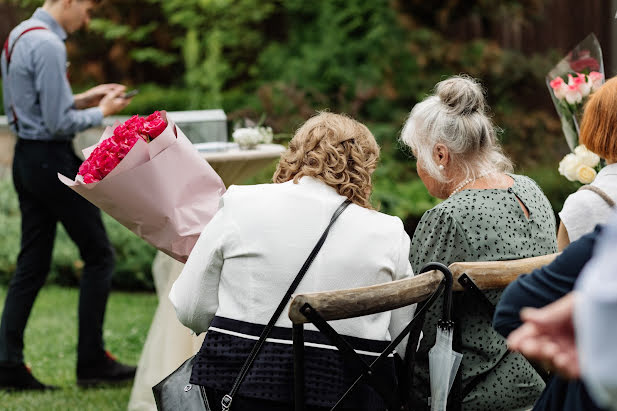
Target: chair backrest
356 302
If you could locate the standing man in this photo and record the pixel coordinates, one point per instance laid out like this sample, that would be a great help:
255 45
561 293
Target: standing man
45 115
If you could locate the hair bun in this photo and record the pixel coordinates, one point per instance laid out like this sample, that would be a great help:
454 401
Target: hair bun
462 94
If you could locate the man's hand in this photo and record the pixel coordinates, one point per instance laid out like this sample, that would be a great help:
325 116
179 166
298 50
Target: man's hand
547 335
93 97
113 102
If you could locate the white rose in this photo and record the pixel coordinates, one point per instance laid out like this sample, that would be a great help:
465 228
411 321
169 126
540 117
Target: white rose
586 157
568 167
585 174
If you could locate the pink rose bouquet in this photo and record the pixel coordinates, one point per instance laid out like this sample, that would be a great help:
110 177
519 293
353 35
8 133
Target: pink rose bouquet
147 175
571 82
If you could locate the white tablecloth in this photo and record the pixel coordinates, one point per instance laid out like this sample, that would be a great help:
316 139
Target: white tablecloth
169 343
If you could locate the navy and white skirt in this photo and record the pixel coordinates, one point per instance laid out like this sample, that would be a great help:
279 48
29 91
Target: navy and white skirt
228 343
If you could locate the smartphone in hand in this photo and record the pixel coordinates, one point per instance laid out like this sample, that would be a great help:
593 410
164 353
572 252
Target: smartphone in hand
130 94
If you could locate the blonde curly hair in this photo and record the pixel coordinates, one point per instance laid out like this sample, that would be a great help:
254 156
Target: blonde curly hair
335 149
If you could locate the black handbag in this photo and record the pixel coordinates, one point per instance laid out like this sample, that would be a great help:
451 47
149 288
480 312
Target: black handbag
176 393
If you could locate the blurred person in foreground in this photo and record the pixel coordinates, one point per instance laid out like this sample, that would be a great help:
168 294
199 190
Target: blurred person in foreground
248 255
592 204
576 334
488 214
45 115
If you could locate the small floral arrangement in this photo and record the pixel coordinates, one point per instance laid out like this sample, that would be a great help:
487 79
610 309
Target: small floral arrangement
571 81
581 165
249 137
108 154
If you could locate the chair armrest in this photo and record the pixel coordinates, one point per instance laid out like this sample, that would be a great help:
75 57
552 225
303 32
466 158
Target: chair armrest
356 302
497 274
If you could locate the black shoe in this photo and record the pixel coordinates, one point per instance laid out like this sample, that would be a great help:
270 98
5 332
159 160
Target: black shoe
18 377
105 371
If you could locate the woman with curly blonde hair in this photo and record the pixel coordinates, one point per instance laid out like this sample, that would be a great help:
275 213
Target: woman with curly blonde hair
250 252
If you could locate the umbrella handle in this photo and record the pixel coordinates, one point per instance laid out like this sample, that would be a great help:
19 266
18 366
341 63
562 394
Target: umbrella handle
448 280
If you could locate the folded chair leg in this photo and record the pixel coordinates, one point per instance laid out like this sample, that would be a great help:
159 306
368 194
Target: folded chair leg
298 352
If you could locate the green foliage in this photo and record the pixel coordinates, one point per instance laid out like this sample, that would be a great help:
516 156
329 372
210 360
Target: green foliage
133 255
344 58
218 45
50 349
154 97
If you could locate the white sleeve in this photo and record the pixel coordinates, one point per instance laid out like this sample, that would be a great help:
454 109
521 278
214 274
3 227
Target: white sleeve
402 316
595 308
194 294
581 212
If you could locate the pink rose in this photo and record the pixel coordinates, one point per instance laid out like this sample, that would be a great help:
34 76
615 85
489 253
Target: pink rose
581 81
135 123
559 87
573 94
596 79
154 125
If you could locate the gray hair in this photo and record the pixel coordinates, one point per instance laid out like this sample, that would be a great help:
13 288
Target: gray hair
455 116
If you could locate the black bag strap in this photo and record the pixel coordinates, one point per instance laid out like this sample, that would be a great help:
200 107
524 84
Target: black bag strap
227 399
601 193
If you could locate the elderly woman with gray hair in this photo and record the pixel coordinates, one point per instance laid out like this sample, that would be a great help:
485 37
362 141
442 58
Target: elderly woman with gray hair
487 214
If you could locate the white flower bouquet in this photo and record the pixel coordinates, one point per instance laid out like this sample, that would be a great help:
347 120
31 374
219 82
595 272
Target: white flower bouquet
580 165
248 137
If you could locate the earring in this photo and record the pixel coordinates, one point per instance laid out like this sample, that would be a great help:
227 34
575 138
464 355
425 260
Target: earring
440 167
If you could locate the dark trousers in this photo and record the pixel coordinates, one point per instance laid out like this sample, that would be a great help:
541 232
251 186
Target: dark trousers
44 201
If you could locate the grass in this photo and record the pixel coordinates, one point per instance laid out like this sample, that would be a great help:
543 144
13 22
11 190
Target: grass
51 341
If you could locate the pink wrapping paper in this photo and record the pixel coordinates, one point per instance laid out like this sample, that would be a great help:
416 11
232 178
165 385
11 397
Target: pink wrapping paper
163 191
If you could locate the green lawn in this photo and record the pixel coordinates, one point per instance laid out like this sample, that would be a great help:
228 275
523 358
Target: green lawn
51 340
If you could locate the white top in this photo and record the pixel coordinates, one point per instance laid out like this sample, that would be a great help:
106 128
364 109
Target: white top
584 209
595 313
250 252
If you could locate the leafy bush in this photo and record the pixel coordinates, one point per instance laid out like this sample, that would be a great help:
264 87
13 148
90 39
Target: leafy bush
133 255
153 97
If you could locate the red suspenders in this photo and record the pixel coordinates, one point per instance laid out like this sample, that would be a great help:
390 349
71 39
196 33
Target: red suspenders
7 55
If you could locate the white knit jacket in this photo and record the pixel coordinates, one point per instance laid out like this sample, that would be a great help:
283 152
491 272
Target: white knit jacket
250 252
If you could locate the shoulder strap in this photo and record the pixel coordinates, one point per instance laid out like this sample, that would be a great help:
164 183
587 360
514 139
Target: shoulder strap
227 399
600 192
8 51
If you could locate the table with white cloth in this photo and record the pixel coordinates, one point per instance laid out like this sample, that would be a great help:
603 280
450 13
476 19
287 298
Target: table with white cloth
169 343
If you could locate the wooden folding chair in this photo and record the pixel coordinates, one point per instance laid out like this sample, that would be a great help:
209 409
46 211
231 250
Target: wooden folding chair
318 308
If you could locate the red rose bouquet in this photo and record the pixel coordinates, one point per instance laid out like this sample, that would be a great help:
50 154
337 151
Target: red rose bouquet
112 150
147 175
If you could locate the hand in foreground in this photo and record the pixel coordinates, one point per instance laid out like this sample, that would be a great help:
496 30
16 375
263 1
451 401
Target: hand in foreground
547 335
93 96
113 102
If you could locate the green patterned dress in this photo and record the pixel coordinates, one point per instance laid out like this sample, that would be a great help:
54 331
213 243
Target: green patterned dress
483 225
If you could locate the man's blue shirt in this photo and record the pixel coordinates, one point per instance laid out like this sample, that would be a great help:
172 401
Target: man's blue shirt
37 86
